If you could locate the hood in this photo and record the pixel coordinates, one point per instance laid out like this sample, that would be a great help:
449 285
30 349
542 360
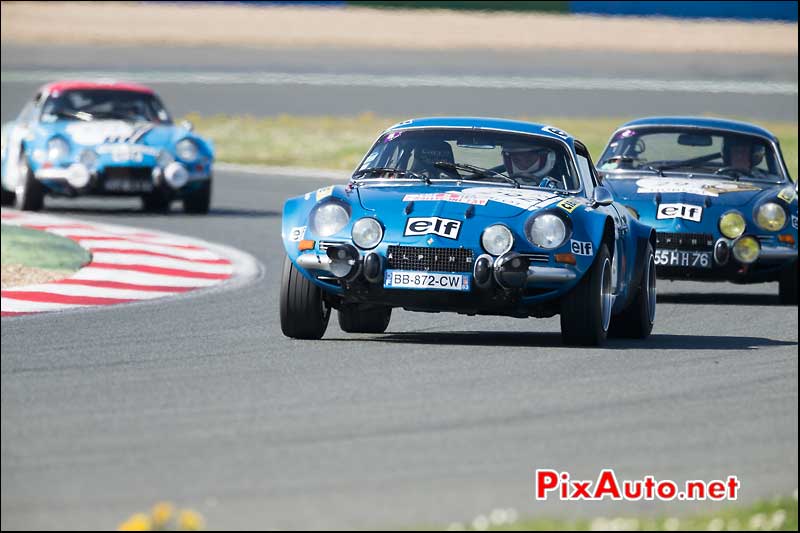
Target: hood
706 191
99 132
452 201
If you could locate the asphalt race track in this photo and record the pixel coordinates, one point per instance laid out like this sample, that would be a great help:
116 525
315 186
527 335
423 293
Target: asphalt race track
214 80
203 402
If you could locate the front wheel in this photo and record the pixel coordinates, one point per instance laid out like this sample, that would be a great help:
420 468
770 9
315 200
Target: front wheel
787 290
364 319
157 201
29 194
586 310
304 314
636 321
6 198
198 201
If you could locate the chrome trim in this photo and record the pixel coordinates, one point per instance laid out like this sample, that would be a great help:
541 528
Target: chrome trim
774 253
314 261
537 258
550 274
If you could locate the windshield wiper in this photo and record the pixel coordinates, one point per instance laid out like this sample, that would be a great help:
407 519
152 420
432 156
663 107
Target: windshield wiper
80 115
386 170
475 171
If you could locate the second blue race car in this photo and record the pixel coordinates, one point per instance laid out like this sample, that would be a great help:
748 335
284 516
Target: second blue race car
473 216
718 193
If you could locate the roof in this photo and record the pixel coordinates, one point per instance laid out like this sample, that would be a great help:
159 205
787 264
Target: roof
71 85
483 122
702 122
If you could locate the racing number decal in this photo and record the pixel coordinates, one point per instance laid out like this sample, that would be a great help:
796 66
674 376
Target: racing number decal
443 227
581 248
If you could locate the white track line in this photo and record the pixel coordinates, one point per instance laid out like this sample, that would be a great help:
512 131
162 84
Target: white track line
96 292
326 79
140 278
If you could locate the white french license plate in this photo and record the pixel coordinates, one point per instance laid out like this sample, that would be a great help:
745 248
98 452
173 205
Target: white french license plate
127 185
680 258
440 281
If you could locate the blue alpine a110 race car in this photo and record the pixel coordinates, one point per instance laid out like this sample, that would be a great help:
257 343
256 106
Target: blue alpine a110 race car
474 216
718 193
76 138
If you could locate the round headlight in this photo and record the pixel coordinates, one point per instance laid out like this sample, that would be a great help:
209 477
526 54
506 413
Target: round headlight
187 150
57 149
497 239
732 225
367 233
328 218
547 231
746 250
771 217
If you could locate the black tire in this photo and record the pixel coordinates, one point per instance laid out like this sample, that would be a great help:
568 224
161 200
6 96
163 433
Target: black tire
787 289
583 321
29 195
636 321
198 202
304 314
364 319
157 201
7 198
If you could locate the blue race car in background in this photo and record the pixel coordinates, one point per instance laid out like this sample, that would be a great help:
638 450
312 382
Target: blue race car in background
78 138
718 193
473 216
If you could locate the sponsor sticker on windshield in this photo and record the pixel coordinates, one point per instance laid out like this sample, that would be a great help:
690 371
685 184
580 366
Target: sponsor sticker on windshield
699 187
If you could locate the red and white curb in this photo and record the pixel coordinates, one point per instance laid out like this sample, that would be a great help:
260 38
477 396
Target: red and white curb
127 265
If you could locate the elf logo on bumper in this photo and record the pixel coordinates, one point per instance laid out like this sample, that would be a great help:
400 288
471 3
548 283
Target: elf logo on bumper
684 211
443 227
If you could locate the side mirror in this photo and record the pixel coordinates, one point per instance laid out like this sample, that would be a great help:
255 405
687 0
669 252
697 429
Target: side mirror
602 196
188 126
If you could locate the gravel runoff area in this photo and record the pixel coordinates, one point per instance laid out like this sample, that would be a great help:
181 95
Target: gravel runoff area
127 23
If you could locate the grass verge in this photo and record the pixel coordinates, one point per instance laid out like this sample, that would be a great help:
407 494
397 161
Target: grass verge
340 142
779 514
30 256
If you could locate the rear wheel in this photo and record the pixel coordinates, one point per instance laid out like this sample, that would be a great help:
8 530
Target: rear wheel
199 201
586 310
636 321
787 291
364 319
304 314
29 194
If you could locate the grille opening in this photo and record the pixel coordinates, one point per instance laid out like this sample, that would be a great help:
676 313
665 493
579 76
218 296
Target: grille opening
429 259
129 173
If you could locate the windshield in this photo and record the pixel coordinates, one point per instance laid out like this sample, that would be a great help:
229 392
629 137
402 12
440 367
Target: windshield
95 104
522 160
691 150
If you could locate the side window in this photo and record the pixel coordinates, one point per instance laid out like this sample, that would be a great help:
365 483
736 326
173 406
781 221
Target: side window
585 168
28 113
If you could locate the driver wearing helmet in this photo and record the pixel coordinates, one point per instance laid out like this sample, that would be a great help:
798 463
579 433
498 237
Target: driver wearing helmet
531 164
744 155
